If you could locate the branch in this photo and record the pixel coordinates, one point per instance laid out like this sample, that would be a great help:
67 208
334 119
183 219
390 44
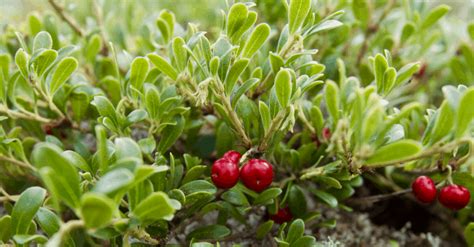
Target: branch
436 149
68 19
17 162
25 115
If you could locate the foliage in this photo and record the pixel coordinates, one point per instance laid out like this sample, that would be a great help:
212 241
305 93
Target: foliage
109 122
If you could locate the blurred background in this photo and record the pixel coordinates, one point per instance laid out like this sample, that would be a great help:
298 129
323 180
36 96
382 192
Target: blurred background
14 11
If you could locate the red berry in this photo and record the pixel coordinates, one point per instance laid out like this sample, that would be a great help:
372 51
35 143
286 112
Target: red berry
326 133
454 196
283 215
424 189
232 155
225 173
257 174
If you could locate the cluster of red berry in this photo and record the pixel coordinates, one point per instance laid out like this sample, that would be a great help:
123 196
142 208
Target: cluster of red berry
453 196
256 174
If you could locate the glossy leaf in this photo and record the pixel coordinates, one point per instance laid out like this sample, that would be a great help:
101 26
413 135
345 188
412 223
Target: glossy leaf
96 210
163 65
283 87
394 152
298 10
256 40
25 209
62 73
209 232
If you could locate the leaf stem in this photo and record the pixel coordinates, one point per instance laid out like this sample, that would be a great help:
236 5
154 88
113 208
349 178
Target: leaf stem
234 119
17 162
25 115
274 125
435 149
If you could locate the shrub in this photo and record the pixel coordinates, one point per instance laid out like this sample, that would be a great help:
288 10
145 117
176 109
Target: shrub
111 120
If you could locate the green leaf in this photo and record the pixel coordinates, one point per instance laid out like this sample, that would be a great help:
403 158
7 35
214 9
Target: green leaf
394 152
236 18
96 210
214 232
469 234
157 206
235 197
164 29
44 60
105 108
21 61
136 116
264 229
267 196
380 66
171 133
25 209
126 147
324 26
35 24
247 85
297 201
93 47
259 35
332 100
389 78
283 87
234 73
194 173
406 72
407 31
76 160
470 30
465 113
63 71
372 122
163 66
298 10
276 62
361 11
6 226
152 102
138 72
180 53
42 41
326 197
434 15
102 151
198 186
114 181
48 221
25 239
444 122
59 175
295 231
264 115
249 21
305 241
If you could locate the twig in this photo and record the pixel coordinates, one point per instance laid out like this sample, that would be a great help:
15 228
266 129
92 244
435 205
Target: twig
274 125
233 117
68 19
377 198
25 115
17 162
436 149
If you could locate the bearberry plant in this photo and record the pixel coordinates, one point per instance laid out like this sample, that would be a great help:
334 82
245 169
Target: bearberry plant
121 123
